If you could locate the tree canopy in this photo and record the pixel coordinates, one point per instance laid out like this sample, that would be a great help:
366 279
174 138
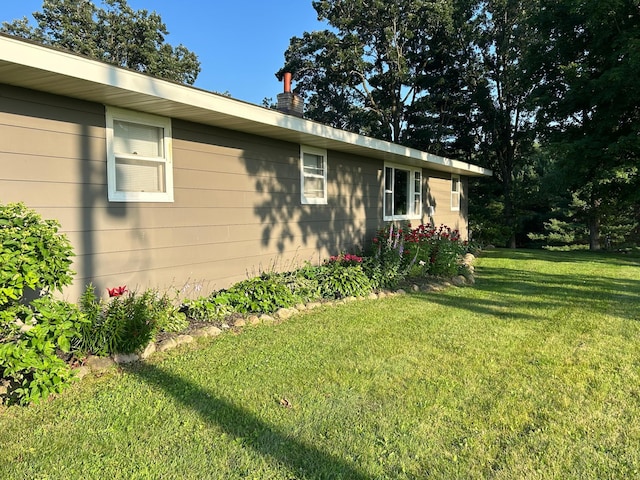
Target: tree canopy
115 34
541 91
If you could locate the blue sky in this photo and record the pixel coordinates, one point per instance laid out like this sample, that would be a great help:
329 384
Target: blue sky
240 43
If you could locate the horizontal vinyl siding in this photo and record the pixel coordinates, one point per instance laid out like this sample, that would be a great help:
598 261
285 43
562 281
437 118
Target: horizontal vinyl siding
438 195
237 207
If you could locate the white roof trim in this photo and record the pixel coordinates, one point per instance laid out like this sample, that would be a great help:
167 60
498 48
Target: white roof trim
30 65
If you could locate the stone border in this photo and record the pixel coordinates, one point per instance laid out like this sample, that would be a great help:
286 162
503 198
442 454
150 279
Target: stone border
94 364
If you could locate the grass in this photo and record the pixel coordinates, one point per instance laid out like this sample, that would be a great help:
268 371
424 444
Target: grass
532 373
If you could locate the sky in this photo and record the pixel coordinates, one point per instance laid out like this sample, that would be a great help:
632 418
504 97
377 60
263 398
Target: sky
240 43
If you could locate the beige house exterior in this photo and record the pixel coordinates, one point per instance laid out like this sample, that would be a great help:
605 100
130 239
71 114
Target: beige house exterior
163 185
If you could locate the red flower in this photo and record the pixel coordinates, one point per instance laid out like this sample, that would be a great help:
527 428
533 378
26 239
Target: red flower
117 291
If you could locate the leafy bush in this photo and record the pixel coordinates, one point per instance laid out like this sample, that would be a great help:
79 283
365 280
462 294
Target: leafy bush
400 251
28 357
304 283
34 258
214 307
264 294
341 280
33 254
434 250
126 323
386 266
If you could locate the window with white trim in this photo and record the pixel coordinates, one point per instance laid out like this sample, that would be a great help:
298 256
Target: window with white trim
313 175
139 165
455 193
402 192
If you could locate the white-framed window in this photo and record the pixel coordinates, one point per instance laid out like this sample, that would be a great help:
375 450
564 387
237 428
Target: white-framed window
313 175
402 192
139 163
455 193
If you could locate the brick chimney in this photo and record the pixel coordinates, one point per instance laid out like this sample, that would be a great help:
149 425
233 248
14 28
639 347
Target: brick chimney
289 102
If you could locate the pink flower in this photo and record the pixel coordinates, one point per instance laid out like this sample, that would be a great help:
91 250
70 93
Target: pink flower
117 291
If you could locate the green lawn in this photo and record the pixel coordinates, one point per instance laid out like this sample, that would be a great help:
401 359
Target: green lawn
532 373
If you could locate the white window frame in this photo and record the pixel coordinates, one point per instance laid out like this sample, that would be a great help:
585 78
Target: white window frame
113 114
456 187
413 196
321 153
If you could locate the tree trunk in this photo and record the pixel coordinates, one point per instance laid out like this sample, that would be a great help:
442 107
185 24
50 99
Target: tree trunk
509 214
594 223
594 231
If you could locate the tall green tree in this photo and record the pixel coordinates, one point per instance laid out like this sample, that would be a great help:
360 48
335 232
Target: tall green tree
115 33
363 73
441 75
589 104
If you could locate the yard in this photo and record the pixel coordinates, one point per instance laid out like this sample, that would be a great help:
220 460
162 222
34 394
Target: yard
534 372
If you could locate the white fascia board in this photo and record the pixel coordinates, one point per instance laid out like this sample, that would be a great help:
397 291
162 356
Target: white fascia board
163 97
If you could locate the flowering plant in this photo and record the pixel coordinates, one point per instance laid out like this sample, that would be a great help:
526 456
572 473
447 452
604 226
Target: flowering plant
399 251
345 259
117 291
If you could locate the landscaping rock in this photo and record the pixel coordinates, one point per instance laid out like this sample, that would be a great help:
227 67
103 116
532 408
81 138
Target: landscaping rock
285 313
471 280
372 296
225 326
312 305
415 288
167 344
121 358
400 291
382 294
350 299
459 281
148 351
81 372
200 332
469 258
96 364
301 307
254 320
266 318
182 339
239 322
212 331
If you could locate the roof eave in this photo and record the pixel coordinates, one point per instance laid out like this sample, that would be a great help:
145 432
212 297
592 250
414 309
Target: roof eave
30 65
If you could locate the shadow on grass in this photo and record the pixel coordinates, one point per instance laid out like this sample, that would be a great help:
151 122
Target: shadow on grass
526 294
303 459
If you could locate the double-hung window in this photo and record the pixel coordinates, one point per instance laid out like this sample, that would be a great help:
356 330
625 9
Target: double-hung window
455 193
139 165
402 193
313 175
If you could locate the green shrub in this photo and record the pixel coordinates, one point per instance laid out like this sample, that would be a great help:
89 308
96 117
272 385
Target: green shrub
386 266
266 293
126 323
28 357
34 259
402 251
33 254
304 283
340 281
214 307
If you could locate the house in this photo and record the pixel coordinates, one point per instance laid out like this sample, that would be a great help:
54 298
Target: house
163 185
